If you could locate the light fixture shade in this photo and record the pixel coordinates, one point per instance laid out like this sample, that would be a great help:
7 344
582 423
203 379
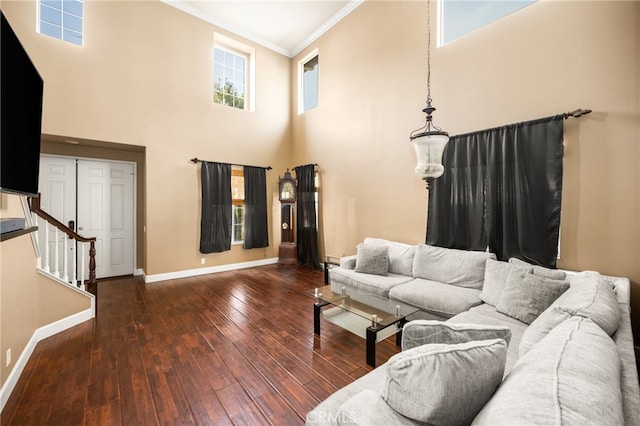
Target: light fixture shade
429 147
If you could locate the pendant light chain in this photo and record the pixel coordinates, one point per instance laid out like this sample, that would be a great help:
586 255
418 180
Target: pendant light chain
429 51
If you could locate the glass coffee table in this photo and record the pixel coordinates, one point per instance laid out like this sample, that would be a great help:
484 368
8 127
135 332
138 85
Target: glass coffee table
362 313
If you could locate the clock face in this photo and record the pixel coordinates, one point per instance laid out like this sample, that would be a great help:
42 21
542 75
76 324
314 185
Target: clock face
287 192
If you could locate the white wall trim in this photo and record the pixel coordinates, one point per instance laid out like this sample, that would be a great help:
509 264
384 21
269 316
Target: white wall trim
210 270
38 335
137 272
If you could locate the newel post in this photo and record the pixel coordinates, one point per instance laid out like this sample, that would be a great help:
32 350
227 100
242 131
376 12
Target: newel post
92 286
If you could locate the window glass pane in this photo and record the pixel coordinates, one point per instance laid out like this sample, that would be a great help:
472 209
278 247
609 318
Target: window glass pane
310 84
460 17
72 23
218 56
50 15
57 4
237 231
50 30
72 37
73 7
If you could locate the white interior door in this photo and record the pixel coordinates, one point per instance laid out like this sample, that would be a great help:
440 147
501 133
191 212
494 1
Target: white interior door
57 186
106 211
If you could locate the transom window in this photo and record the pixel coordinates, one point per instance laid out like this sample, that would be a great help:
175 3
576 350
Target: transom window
229 78
460 17
61 19
308 73
237 201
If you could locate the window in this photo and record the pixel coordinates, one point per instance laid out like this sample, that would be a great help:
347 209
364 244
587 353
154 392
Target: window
61 19
308 82
232 73
237 201
460 17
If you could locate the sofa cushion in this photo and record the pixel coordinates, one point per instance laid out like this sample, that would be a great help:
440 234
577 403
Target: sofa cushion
443 299
444 384
374 284
462 268
486 315
527 295
495 279
553 274
400 255
590 296
422 332
372 259
572 377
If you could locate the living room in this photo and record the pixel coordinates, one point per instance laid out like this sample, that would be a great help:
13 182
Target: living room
143 79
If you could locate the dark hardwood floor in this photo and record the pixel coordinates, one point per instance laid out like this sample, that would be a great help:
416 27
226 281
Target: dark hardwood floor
228 348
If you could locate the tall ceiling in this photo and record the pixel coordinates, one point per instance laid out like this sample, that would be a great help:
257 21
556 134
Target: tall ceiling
286 27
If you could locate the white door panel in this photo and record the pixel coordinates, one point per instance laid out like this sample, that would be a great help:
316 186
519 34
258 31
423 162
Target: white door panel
57 186
105 211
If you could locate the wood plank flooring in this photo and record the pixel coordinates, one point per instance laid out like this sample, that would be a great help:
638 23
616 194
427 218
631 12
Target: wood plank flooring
227 348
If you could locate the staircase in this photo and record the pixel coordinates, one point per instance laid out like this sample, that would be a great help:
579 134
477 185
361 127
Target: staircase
56 258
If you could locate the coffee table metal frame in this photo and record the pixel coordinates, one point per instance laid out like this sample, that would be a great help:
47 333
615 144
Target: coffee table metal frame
394 315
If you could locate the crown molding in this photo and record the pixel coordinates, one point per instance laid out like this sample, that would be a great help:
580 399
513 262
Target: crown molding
353 4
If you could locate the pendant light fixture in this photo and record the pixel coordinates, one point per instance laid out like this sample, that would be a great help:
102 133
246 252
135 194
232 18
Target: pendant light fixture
429 141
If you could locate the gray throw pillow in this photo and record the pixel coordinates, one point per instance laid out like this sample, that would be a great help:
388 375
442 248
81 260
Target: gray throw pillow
422 332
527 295
372 259
589 296
553 274
495 279
444 384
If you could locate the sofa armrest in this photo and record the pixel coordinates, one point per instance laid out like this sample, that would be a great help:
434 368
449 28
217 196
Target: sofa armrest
421 332
348 262
368 408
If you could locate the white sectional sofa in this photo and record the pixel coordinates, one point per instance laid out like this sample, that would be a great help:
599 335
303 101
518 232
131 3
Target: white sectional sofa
567 356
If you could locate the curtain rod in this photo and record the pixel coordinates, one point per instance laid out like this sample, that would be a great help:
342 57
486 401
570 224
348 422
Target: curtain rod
196 161
310 164
576 113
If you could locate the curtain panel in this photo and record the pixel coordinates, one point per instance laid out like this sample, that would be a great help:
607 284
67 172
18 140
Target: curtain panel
215 220
256 233
502 190
307 230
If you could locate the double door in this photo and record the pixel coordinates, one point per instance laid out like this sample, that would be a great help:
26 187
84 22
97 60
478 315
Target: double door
96 199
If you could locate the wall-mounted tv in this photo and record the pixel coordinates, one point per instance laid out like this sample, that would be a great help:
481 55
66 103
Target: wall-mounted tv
21 110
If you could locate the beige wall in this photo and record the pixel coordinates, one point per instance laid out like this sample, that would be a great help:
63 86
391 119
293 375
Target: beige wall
28 300
551 57
144 78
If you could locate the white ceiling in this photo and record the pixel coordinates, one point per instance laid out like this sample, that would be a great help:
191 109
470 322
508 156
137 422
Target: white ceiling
286 26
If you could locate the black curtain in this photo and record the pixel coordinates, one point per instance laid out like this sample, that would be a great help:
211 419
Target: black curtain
457 219
307 230
215 222
506 181
255 208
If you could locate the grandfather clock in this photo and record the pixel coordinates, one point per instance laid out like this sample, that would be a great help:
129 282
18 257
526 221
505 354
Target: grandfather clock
287 195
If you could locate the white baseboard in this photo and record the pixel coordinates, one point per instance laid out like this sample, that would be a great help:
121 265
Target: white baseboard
209 270
137 272
38 335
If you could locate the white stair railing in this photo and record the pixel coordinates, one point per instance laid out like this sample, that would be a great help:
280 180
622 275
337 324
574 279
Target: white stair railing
66 243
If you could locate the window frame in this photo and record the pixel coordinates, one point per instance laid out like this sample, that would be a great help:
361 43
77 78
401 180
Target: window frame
237 203
248 53
306 59
63 28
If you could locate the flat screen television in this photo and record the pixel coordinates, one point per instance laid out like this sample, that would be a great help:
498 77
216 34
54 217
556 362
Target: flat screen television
21 110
